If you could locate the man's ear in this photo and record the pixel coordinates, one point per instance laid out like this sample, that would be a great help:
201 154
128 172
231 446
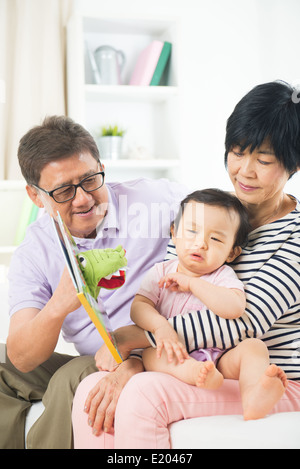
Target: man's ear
34 196
234 253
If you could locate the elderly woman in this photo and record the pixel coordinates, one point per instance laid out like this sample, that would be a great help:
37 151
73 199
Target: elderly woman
262 154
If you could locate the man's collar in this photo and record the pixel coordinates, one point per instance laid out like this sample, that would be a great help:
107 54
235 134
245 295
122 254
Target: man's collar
111 219
109 225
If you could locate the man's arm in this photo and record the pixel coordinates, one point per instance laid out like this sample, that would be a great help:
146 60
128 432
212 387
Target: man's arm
33 333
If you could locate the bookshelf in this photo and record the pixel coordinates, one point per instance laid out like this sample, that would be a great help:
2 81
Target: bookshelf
150 114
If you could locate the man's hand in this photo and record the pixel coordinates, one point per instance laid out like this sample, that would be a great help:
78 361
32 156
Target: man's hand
102 400
166 338
65 296
104 360
127 339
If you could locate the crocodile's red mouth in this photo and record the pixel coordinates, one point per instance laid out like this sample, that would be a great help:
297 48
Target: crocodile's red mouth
113 281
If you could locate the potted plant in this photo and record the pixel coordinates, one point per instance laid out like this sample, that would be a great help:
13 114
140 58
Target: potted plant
110 142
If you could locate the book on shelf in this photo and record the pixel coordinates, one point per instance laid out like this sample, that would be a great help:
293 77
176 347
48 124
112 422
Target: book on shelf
146 64
162 64
151 64
71 254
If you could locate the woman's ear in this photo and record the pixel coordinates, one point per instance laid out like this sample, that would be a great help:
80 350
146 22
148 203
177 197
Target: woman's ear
34 196
234 253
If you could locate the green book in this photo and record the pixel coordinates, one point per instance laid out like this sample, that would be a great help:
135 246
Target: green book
161 64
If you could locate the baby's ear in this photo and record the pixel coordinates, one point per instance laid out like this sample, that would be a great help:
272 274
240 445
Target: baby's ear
173 234
234 253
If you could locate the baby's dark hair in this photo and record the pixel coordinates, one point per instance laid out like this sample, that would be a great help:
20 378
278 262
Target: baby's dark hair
219 198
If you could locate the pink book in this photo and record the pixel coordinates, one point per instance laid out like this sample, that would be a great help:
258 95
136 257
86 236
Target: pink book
146 64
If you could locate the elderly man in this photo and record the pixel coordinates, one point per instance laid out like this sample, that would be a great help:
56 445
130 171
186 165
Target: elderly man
60 163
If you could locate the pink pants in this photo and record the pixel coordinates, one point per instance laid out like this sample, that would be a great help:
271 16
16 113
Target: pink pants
151 401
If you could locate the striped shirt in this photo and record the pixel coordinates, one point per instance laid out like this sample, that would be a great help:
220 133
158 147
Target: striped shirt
269 267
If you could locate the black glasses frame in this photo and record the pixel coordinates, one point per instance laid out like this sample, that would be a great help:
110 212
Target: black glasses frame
51 193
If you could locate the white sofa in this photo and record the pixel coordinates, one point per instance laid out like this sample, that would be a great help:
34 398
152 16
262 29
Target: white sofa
228 432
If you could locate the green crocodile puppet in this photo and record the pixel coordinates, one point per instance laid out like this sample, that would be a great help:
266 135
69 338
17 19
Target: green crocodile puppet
103 268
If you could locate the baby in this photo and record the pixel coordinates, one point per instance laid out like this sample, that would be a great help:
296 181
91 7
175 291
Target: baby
208 233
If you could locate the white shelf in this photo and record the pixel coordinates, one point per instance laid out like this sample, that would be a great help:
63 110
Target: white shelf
7 249
150 115
12 185
131 25
143 164
125 93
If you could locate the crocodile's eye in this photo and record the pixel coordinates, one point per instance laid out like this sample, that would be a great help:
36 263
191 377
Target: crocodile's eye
82 261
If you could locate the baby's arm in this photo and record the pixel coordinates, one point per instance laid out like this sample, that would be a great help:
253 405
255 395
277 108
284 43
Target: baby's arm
228 303
144 314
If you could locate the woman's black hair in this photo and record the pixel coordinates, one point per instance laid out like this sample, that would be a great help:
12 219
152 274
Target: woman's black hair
219 198
269 112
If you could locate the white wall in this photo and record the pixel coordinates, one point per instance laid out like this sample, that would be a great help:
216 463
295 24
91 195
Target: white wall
3 53
228 46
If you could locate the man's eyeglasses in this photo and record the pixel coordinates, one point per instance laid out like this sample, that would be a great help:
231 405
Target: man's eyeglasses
68 191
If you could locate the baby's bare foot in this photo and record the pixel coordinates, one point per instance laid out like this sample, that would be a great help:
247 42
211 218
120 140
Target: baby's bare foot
260 399
208 376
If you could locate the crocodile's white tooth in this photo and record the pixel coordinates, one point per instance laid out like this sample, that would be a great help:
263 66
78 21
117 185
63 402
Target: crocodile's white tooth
108 277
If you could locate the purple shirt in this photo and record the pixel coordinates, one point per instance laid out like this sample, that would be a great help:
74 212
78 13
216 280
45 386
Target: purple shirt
139 216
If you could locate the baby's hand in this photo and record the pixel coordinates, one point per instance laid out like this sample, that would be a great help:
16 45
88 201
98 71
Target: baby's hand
166 338
177 282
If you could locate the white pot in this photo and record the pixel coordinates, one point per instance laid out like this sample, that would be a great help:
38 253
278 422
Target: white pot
110 147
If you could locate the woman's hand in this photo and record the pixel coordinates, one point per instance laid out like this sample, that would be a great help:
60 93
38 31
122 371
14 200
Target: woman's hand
102 400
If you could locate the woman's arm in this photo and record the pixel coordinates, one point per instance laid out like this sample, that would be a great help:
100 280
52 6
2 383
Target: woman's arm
228 303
